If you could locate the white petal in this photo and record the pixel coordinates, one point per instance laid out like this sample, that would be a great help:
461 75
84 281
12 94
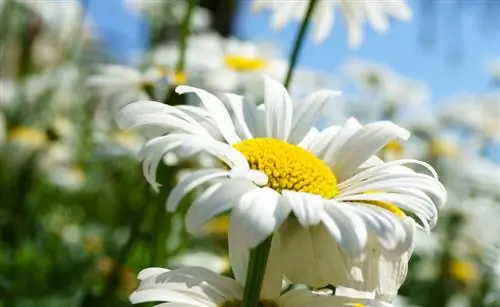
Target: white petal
363 144
309 138
165 295
320 143
323 21
308 112
347 228
243 110
189 183
273 276
279 109
280 17
336 139
307 208
257 216
146 273
217 110
314 246
144 113
215 200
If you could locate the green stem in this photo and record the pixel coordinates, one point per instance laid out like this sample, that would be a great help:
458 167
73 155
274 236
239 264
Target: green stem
185 28
162 219
255 273
297 45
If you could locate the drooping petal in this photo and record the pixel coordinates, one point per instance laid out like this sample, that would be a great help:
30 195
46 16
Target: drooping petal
187 285
316 247
214 201
307 208
192 181
146 114
258 214
273 276
347 228
279 109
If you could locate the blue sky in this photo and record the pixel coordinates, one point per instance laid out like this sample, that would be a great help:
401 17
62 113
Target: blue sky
402 48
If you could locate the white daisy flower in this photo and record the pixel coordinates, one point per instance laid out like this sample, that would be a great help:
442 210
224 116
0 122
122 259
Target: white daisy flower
479 112
324 191
116 78
199 287
64 18
355 14
393 88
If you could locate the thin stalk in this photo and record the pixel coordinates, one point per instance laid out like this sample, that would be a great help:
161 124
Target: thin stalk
255 274
297 45
185 29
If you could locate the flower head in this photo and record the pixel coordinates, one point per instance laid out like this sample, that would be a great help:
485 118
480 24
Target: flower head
195 286
355 14
323 190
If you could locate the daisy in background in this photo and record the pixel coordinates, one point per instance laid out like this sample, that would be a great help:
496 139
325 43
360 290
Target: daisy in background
355 14
339 210
199 287
130 84
478 112
233 65
394 91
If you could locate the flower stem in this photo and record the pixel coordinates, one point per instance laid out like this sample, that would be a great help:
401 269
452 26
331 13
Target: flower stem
185 29
255 273
297 45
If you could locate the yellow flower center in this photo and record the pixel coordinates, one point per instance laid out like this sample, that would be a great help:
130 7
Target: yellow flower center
238 304
394 147
444 148
28 135
289 167
245 63
463 271
218 226
180 77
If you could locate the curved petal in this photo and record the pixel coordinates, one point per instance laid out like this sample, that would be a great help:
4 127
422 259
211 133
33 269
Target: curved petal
323 20
245 114
279 109
257 216
216 109
273 276
361 145
308 113
307 208
323 255
215 200
189 183
347 228
310 136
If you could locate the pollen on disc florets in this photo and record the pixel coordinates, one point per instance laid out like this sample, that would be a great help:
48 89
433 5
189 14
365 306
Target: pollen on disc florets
289 167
